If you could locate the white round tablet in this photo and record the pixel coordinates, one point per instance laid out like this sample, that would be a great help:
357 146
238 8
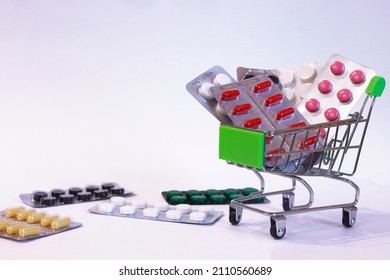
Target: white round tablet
204 90
127 210
286 78
184 208
198 216
174 214
162 206
150 212
117 200
208 210
306 73
139 204
222 79
106 207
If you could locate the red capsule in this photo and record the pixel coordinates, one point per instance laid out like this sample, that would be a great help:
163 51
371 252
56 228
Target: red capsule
253 123
229 95
276 151
273 100
285 113
268 139
309 142
298 124
263 86
241 109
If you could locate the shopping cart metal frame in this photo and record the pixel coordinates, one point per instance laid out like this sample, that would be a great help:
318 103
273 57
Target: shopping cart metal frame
342 141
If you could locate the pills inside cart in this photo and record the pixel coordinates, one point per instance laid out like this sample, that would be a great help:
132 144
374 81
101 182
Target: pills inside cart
20 224
181 213
57 197
208 197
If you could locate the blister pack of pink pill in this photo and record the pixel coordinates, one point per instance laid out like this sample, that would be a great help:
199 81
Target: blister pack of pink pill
336 90
21 224
163 212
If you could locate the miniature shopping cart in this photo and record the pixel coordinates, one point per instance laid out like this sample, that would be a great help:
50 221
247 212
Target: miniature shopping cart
335 157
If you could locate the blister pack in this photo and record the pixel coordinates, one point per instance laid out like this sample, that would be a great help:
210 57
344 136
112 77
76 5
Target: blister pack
72 195
294 82
210 196
21 224
200 89
336 90
261 104
181 213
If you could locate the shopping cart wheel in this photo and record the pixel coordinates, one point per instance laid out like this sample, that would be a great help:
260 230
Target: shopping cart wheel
235 215
349 216
278 227
288 201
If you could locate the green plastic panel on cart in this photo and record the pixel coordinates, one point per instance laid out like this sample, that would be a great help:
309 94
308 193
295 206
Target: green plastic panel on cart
241 146
376 86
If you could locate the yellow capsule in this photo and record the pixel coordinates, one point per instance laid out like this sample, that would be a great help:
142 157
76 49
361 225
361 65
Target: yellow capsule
22 215
60 223
35 217
46 221
14 227
11 212
4 223
29 230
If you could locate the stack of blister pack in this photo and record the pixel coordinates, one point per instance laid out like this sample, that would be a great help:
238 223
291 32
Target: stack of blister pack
274 100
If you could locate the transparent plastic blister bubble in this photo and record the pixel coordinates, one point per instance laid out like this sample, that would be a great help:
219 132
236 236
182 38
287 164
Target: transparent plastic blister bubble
294 82
21 224
210 196
336 90
163 212
200 89
72 195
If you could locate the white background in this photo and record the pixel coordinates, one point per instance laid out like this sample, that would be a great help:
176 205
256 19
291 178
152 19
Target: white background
94 91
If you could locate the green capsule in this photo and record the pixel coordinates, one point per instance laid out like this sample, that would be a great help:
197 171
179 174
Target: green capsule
178 199
248 191
191 193
218 199
211 192
198 199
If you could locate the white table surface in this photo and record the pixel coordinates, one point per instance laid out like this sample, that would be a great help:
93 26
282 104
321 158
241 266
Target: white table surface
94 91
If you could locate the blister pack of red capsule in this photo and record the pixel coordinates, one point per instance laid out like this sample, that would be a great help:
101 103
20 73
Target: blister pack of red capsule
294 82
272 108
163 212
336 90
21 224
200 89
72 195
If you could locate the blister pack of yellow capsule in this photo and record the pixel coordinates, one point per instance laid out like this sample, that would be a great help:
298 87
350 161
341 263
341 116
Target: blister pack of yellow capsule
21 224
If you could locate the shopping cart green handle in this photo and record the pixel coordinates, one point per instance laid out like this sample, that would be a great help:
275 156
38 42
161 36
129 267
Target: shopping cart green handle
246 147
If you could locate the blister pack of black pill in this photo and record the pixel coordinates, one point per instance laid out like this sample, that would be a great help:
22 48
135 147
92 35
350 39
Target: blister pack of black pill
72 195
21 224
210 196
181 213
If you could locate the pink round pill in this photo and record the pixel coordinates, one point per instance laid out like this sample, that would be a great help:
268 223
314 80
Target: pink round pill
325 86
337 68
344 95
357 77
312 105
332 114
